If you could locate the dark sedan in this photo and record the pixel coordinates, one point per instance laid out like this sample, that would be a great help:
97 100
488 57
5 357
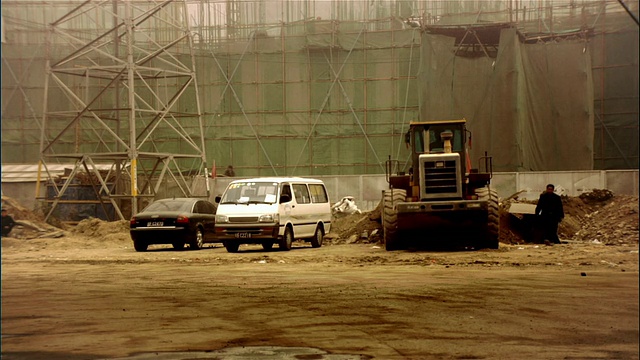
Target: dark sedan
177 221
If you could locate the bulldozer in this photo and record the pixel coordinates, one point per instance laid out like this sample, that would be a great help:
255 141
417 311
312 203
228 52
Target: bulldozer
441 197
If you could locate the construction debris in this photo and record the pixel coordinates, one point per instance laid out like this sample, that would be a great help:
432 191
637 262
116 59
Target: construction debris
349 228
115 231
594 216
346 206
29 224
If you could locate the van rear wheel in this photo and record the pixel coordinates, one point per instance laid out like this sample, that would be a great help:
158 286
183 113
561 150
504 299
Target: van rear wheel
267 245
318 238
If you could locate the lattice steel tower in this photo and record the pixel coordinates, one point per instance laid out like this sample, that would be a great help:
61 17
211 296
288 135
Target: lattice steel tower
121 102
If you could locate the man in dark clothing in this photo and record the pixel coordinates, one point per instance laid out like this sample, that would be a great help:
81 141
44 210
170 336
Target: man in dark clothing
229 172
550 212
7 223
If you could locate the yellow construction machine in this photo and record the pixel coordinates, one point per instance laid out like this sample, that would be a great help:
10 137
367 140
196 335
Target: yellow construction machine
441 197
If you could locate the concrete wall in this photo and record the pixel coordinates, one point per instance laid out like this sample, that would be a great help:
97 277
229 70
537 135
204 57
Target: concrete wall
367 189
574 183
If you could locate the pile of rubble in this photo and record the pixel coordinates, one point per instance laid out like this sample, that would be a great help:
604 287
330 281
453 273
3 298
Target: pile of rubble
357 227
614 221
114 230
29 224
597 216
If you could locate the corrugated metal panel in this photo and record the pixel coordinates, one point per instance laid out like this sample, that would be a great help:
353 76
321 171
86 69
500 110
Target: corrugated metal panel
17 173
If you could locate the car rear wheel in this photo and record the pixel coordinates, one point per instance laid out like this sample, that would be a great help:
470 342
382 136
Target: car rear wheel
267 245
140 245
198 242
287 240
231 246
178 245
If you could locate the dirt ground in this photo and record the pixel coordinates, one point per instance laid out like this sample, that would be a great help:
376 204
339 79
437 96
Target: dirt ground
86 294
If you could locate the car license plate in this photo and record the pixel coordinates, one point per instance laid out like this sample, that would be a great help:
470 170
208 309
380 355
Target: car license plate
154 223
243 235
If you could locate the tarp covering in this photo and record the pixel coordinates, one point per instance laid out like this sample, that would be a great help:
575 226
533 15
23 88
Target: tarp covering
530 108
558 131
325 95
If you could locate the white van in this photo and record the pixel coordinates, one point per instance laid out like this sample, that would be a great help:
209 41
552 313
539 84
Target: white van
273 210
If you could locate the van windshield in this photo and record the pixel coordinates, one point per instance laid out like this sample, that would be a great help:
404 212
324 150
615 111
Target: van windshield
250 193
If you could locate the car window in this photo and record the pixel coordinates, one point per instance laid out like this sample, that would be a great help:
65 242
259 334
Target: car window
204 207
170 205
318 193
199 208
211 209
301 193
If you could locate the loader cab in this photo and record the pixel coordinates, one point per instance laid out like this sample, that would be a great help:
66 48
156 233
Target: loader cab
428 137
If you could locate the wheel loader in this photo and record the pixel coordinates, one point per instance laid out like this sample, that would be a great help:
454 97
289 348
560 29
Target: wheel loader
441 198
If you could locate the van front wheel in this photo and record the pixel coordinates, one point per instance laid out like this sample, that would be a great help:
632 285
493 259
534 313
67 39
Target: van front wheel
287 240
231 246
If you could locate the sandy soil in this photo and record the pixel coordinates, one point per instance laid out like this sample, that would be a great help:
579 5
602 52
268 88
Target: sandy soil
91 296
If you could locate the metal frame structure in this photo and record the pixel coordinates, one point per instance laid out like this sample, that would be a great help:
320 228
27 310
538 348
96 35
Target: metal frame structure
133 84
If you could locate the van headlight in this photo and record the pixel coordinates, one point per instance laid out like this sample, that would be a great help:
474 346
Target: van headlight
222 219
268 218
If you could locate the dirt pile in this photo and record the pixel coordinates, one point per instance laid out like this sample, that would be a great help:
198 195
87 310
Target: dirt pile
111 231
614 221
18 212
29 224
357 228
597 216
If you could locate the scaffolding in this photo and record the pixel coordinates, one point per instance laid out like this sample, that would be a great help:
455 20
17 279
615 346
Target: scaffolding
122 85
311 87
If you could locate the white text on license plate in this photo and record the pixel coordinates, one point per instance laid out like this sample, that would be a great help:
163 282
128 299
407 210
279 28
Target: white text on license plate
243 235
154 223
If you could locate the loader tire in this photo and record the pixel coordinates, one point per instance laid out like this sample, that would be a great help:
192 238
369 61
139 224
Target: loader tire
491 238
390 217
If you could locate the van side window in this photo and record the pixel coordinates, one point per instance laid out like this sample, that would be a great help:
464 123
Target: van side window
318 193
302 193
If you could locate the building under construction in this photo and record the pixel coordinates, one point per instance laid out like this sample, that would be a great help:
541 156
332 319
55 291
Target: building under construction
132 94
